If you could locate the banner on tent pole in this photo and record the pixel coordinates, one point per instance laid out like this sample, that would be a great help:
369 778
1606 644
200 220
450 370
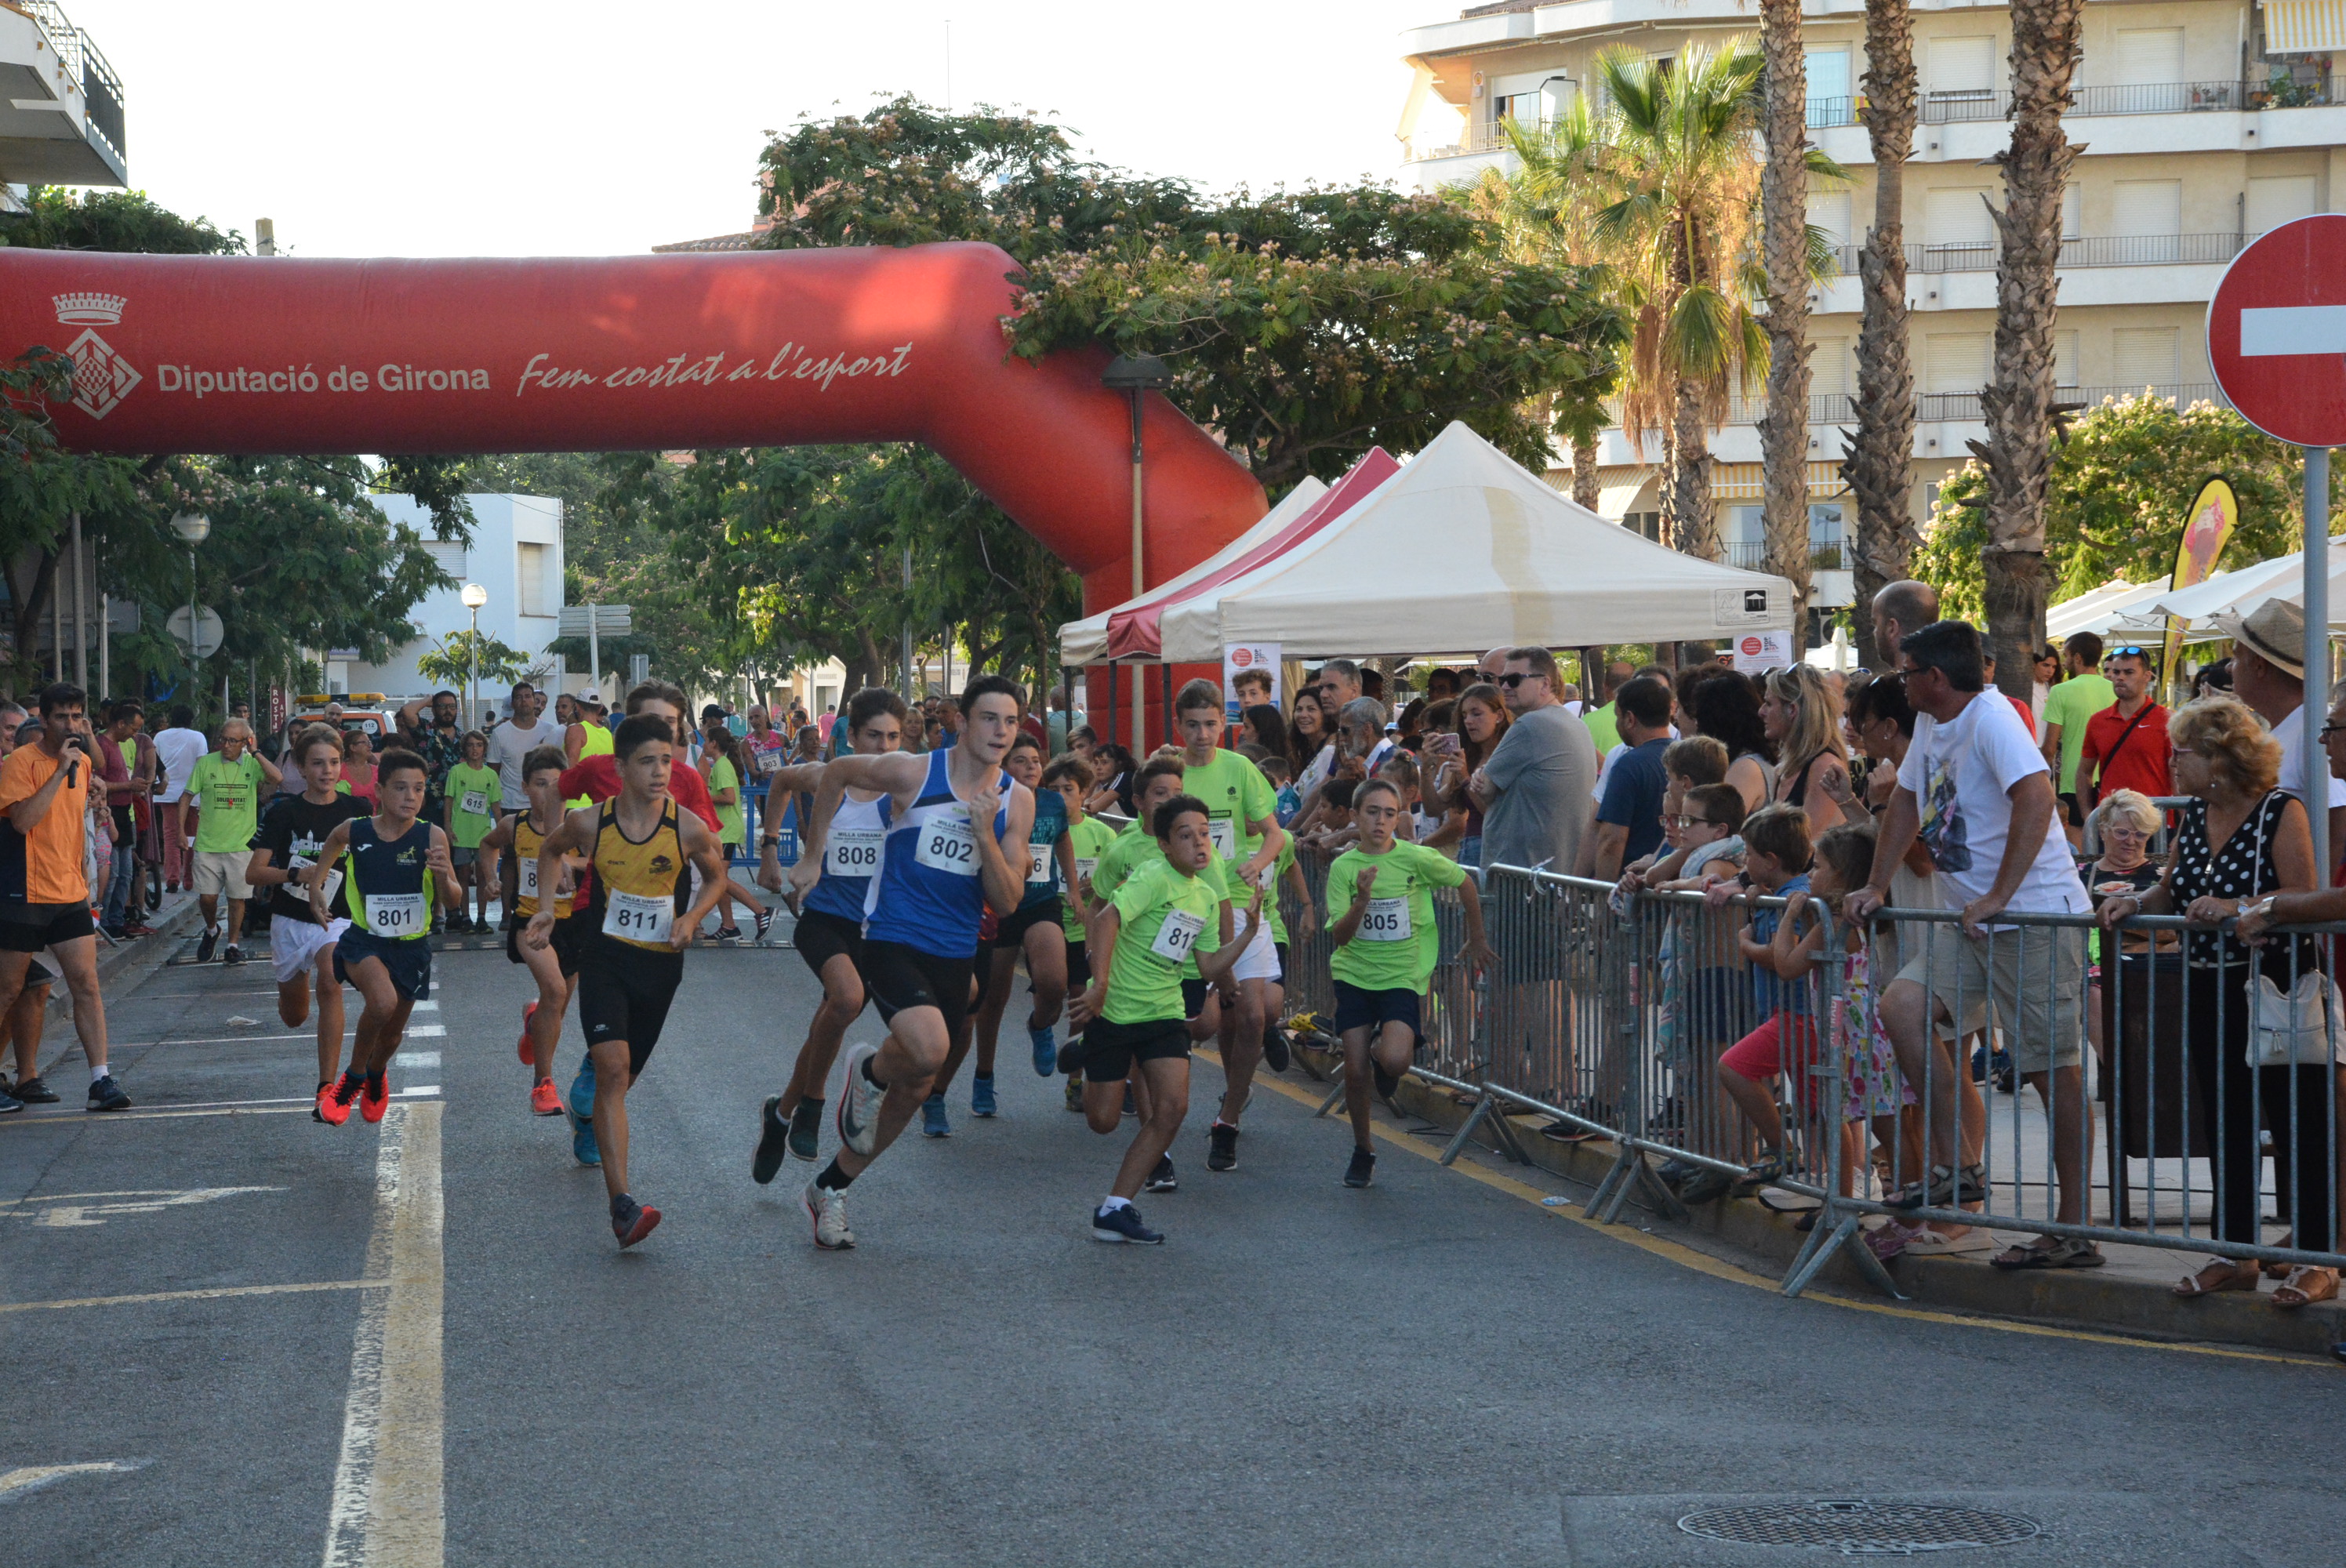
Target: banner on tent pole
2206 528
1260 658
1756 653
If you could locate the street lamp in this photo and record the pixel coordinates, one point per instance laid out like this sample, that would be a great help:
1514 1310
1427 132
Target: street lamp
193 528
475 597
1134 374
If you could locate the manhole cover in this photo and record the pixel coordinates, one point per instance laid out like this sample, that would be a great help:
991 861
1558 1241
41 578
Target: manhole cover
1855 1527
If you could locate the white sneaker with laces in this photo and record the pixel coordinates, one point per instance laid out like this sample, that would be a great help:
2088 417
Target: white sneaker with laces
828 1209
859 1102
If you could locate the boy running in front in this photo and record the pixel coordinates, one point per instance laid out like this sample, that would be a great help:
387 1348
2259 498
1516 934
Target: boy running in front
1133 1010
1381 921
632 957
555 966
293 838
394 865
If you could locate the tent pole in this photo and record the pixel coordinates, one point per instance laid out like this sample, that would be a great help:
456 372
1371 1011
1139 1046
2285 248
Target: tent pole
1111 703
1170 738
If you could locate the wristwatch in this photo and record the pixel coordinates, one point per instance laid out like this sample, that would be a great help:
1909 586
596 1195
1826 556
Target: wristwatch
2262 909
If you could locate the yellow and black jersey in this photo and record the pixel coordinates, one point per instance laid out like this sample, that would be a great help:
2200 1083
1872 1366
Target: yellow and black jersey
639 889
527 842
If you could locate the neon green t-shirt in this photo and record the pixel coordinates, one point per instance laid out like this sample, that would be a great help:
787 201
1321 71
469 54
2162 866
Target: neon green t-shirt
1133 851
1235 793
1396 946
731 828
2070 704
1272 912
231 802
1161 915
1089 839
1601 727
470 786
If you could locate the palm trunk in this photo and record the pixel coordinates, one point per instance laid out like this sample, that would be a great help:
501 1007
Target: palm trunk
2018 400
1686 482
1585 486
1784 215
1879 461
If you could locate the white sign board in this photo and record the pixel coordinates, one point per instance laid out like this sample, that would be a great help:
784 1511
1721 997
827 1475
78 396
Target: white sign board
1250 658
1756 653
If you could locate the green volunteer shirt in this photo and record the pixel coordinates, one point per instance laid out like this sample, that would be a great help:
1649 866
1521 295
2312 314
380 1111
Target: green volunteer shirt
1270 889
1089 839
469 787
1145 985
732 827
1601 727
2070 705
1133 851
1235 793
231 802
1396 946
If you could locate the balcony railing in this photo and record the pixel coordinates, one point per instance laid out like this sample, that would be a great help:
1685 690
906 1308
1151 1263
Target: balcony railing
101 88
1825 112
2098 250
1824 553
1841 408
1480 136
1949 107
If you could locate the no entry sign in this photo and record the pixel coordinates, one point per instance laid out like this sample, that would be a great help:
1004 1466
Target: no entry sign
2277 332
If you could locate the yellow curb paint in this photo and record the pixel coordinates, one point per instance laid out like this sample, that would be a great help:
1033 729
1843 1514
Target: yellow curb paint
212 1295
1703 1263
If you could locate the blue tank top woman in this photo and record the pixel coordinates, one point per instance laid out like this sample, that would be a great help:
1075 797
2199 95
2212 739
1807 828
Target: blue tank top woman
929 895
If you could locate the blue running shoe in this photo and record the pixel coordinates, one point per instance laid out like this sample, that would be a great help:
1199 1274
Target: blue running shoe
1047 1050
933 1119
582 1139
582 1091
981 1094
1122 1224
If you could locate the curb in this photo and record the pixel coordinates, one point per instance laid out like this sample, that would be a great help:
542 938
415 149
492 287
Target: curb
2069 1298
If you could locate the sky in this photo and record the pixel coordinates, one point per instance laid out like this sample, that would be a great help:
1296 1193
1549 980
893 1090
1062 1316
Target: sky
499 128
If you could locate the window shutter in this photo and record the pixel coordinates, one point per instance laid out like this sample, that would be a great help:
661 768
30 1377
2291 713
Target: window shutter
2146 356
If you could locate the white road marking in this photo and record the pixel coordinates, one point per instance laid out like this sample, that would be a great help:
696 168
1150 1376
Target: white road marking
416 1059
425 1007
417 1092
212 1294
68 1211
14 1483
418 1032
387 1510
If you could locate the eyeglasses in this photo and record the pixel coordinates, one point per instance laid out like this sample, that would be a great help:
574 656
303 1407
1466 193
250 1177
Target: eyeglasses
1517 677
1683 822
2330 729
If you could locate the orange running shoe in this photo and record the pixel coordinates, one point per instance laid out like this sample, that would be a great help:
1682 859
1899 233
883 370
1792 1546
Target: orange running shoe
529 1054
375 1098
334 1104
544 1098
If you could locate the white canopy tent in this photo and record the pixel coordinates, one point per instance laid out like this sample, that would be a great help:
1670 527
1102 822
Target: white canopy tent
1466 548
2094 609
2120 610
1084 642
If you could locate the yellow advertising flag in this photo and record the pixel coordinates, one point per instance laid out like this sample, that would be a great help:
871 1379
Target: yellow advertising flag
2206 529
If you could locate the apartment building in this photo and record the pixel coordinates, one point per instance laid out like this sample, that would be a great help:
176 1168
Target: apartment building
61 116
2204 123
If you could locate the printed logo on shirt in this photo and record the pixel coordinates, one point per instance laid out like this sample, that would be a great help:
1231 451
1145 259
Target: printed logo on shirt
1942 831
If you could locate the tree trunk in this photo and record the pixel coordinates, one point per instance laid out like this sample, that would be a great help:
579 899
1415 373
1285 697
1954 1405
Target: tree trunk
1784 214
1879 461
2018 400
1585 486
1686 482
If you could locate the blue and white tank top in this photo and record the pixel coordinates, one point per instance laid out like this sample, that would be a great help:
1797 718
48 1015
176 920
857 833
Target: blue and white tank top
929 894
850 857
386 881
1042 848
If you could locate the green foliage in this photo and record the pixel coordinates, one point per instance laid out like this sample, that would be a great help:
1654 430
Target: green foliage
2115 506
449 661
57 219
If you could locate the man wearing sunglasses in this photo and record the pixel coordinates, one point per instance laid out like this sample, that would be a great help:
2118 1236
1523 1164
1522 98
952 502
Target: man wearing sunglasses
2126 743
1536 790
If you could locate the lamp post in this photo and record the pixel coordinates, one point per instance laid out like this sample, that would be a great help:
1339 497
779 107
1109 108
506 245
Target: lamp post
475 597
1134 374
193 528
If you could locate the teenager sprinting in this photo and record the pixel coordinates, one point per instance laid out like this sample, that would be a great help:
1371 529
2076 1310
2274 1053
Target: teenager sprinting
555 966
293 837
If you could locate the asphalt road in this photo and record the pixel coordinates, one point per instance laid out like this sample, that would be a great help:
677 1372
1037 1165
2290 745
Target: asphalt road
1435 1370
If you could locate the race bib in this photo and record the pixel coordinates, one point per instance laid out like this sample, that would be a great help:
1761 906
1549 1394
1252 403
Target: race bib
1267 878
945 844
529 864
1386 920
395 914
1178 935
1225 834
473 803
638 917
1041 862
331 882
1084 866
854 852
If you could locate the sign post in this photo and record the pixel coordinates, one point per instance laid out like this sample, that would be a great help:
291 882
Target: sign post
2277 343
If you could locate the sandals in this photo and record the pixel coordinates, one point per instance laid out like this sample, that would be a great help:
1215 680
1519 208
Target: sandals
2233 1277
2304 1286
2050 1252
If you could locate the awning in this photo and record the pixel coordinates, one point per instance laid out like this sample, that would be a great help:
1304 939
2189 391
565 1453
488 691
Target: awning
2304 26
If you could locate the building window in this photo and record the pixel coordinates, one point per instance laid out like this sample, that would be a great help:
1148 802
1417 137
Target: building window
533 572
1645 525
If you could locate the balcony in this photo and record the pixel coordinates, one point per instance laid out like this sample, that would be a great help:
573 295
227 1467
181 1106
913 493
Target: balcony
1824 553
61 116
2102 251
1963 408
2144 98
1481 136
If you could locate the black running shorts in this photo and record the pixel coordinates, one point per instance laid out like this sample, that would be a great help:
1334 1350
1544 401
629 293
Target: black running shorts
1079 966
1012 931
900 976
624 992
28 928
1193 997
821 937
1111 1049
568 932
1372 1010
408 959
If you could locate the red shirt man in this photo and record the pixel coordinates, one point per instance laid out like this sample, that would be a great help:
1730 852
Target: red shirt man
2126 743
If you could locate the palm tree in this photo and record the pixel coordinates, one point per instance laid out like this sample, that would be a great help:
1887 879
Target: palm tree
1784 211
2018 400
1879 461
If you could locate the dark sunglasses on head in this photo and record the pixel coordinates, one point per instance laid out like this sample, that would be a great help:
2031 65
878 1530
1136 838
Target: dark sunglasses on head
2129 651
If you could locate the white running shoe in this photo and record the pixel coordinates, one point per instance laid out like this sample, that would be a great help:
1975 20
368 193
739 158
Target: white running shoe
828 1209
859 1102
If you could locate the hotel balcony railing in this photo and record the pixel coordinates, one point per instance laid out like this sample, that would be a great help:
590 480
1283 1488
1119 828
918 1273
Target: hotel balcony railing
1963 408
2100 250
1948 108
1824 553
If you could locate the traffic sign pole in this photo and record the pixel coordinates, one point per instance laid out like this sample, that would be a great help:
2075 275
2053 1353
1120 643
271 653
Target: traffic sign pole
2315 711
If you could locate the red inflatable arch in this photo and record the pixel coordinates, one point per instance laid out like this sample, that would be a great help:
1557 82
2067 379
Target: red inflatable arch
250 354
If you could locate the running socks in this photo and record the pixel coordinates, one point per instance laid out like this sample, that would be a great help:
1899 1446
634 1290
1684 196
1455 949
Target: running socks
833 1178
868 1076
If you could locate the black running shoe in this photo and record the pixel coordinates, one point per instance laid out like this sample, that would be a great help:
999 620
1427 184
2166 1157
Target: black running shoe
106 1095
632 1221
34 1092
234 954
1222 1147
1275 1054
1122 1223
204 948
1162 1179
765 922
1363 1169
1071 1057
9 1102
773 1142
806 1129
